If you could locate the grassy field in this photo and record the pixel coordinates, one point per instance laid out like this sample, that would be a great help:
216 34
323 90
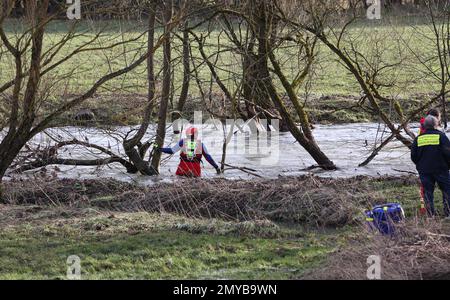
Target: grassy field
332 92
37 238
147 246
391 35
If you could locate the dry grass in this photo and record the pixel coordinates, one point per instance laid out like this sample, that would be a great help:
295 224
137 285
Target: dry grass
420 251
306 200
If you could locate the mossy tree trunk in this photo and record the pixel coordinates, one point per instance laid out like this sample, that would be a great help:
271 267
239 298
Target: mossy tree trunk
133 147
166 87
266 26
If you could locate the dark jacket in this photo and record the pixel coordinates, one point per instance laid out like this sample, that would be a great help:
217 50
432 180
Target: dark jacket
431 152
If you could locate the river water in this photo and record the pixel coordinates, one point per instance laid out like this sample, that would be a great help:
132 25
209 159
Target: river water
270 155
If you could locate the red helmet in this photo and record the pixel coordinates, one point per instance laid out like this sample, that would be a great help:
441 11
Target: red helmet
191 131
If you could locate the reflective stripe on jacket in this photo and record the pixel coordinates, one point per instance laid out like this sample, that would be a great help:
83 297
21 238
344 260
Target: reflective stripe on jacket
431 152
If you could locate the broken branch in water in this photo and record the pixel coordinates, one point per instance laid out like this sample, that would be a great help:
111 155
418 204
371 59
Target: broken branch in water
403 171
377 150
74 162
310 168
243 169
48 156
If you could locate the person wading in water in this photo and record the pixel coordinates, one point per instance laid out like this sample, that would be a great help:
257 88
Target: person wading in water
192 151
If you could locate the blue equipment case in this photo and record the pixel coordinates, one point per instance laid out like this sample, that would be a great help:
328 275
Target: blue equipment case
384 217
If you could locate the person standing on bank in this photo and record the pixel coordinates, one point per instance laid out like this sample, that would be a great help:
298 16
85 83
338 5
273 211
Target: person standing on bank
435 113
431 155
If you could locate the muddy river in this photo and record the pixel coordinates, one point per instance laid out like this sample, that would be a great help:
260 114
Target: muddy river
271 155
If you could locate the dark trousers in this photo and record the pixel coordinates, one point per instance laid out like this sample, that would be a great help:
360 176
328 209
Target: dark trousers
429 182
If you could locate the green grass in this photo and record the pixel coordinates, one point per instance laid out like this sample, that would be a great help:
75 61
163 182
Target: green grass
330 77
407 195
157 252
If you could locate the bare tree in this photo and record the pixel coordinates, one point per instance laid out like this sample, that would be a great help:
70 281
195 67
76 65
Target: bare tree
186 68
257 33
166 86
331 25
25 93
134 148
435 52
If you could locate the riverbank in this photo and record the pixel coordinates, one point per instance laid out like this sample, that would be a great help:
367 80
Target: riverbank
325 109
279 229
